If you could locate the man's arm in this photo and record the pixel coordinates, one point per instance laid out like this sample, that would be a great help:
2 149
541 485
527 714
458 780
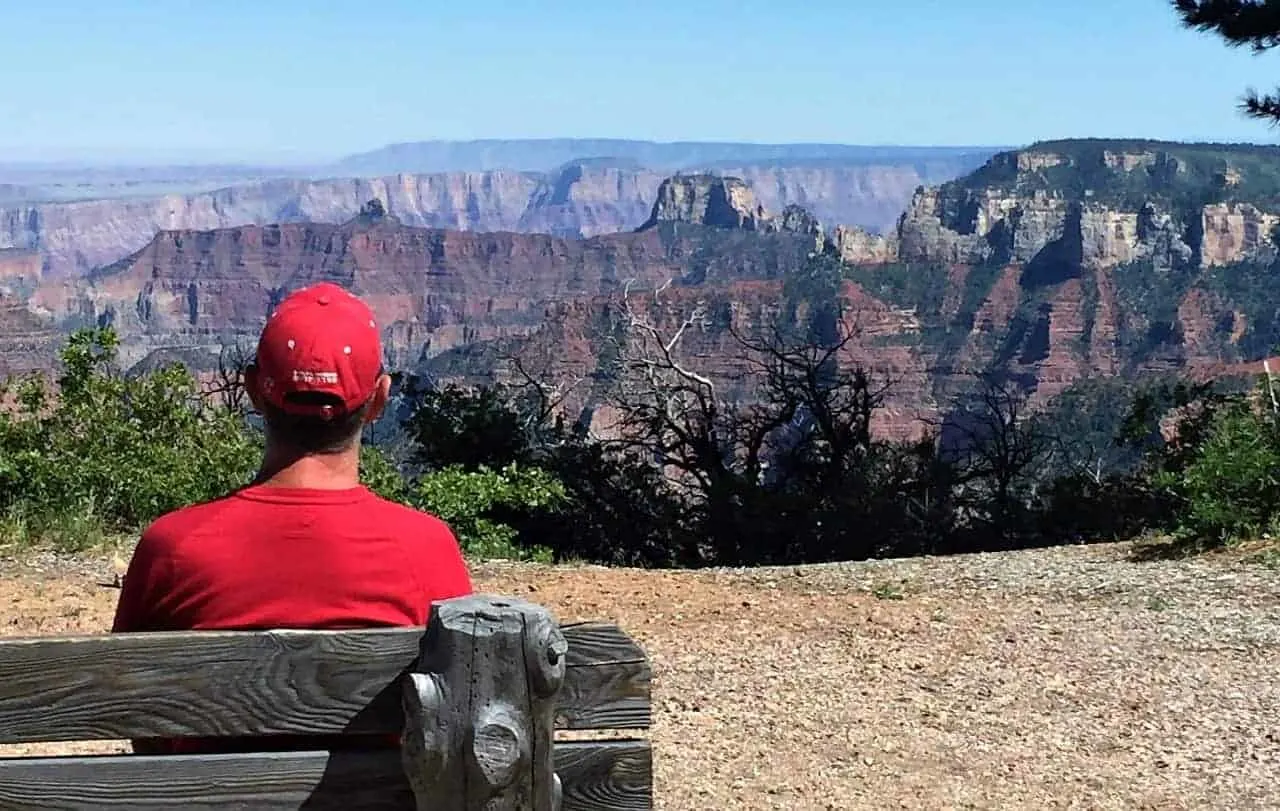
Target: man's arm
437 556
141 591
453 577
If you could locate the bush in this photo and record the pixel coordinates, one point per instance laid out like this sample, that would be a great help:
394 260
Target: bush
612 508
380 474
1230 490
473 503
104 453
115 451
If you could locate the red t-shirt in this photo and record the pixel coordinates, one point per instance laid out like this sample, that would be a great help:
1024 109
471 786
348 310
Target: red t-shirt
270 557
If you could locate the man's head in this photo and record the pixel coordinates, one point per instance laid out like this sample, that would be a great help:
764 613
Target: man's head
318 377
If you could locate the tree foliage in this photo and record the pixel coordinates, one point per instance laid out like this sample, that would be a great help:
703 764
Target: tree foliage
114 448
1230 490
473 503
690 473
1240 23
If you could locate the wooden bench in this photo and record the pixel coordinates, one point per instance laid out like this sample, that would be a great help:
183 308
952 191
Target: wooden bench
477 698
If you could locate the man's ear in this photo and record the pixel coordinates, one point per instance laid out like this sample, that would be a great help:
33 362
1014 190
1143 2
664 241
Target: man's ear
381 394
253 386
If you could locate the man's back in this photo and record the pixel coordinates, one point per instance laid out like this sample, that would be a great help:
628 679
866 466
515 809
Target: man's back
271 557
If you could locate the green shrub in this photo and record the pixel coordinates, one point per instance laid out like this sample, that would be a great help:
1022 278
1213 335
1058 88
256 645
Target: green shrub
112 449
615 509
379 474
24 525
104 453
475 502
1230 490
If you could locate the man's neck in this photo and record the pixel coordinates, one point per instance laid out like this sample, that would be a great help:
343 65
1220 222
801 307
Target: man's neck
330 471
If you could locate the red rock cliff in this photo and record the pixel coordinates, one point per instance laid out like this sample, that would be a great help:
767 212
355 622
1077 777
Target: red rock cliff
579 200
432 289
1002 271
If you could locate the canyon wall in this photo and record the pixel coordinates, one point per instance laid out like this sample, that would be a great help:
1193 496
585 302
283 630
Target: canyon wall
1096 206
20 268
432 289
27 342
578 200
1047 265
1074 259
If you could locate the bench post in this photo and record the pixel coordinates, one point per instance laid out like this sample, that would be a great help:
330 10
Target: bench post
480 707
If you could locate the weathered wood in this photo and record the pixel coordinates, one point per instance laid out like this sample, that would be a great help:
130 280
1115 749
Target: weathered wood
478 707
605 775
209 683
597 776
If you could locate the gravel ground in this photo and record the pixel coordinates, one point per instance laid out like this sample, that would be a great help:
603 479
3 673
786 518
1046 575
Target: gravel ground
1055 678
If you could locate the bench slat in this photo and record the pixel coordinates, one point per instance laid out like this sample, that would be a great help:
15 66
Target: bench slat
210 683
596 775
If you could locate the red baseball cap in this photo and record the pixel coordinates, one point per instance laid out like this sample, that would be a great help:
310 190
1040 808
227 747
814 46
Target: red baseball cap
320 339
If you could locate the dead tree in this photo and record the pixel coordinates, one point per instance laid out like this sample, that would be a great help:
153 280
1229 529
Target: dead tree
227 388
541 388
670 412
996 449
802 389
806 386
792 440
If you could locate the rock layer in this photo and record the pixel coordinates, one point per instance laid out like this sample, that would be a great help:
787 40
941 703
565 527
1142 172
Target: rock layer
27 342
705 199
581 199
1047 265
432 289
20 268
1021 204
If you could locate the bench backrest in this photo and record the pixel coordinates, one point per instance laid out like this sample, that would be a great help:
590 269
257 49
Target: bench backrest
477 696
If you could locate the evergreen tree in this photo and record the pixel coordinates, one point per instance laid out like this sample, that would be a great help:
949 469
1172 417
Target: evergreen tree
1255 23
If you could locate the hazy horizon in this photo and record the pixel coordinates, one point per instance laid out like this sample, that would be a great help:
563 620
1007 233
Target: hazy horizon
146 159
73 158
150 82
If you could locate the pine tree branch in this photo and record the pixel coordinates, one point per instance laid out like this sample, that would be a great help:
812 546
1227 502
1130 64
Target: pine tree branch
1264 107
1255 23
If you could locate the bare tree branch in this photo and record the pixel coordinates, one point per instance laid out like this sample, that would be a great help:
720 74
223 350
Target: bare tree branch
997 449
548 389
228 383
804 408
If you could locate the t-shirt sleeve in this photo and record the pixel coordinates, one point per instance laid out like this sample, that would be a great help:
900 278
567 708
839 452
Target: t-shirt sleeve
145 586
445 572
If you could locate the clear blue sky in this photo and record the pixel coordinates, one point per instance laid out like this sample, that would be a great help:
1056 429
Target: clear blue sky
314 79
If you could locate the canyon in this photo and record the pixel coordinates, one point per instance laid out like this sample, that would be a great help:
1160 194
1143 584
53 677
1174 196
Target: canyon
27 342
581 198
1049 265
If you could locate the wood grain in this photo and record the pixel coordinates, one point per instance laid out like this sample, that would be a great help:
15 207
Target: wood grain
210 683
596 775
479 708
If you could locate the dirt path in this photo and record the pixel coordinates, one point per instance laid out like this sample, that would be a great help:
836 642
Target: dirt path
1061 678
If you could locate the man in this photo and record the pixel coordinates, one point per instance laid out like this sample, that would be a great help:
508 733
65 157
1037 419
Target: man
304 545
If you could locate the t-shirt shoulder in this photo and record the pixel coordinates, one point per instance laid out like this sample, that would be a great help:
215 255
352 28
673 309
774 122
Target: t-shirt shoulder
177 524
402 515
431 549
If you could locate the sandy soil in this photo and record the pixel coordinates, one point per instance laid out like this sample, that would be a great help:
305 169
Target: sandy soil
1060 678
